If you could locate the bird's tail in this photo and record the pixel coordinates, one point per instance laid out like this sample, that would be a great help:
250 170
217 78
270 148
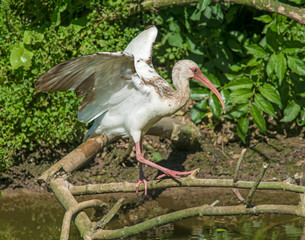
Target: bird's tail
90 133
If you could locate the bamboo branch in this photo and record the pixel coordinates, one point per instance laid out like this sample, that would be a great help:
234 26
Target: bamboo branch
204 210
183 182
74 210
295 13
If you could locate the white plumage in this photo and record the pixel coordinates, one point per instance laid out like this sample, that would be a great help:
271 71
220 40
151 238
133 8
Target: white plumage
123 93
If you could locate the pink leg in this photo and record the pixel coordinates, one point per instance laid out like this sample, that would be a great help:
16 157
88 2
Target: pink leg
141 180
167 172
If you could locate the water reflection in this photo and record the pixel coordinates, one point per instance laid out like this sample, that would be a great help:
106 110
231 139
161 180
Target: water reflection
39 216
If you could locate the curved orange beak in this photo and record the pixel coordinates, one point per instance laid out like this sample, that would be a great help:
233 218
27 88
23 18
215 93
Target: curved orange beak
203 79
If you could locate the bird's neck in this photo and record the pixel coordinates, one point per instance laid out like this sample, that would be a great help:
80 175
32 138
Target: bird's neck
182 92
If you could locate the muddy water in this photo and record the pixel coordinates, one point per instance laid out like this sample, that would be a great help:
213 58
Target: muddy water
32 216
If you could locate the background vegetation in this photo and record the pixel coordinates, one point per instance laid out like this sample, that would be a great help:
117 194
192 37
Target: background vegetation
255 58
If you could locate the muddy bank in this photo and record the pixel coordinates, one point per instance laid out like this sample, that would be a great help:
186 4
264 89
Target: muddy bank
214 157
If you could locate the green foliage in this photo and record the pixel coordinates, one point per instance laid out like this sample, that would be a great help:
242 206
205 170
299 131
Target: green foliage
34 37
260 65
256 60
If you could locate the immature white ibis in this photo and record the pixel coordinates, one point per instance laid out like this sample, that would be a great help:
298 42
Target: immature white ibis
123 93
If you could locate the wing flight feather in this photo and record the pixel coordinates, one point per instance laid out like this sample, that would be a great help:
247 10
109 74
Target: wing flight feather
95 77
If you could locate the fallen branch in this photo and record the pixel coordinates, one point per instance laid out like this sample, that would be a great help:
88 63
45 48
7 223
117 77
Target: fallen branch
204 210
64 196
180 133
183 182
64 191
73 211
77 157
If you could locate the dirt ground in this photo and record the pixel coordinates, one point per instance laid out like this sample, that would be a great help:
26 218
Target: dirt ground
216 156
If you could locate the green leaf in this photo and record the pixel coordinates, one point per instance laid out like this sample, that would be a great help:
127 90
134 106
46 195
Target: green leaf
271 65
257 51
284 92
20 56
78 24
215 106
258 118
202 4
192 47
237 111
196 16
240 83
296 65
198 111
280 67
234 45
240 95
264 105
293 47
301 121
27 37
56 18
199 93
291 112
269 92
264 18
174 27
297 1
242 127
273 40
156 157
174 39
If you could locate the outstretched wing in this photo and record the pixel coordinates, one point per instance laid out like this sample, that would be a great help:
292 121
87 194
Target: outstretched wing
97 78
107 78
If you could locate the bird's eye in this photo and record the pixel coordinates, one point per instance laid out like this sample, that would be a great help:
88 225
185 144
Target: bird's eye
195 70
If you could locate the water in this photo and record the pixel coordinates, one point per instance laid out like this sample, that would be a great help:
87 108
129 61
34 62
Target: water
25 216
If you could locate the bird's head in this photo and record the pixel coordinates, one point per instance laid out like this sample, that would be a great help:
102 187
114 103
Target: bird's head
192 71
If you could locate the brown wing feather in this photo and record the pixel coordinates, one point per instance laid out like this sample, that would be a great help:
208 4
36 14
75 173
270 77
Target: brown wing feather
80 74
86 88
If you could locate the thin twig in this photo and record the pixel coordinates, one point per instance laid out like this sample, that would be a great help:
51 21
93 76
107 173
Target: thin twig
236 173
214 203
238 195
107 218
256 183
240 159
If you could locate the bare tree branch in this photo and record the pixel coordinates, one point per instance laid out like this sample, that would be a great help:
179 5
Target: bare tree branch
204 210
181 134
74 210
107 218
64 196
183 182
256 183
77 157
296 13
64 191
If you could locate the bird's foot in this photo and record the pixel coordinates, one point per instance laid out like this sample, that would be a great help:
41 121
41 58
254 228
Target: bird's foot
174 174
144 181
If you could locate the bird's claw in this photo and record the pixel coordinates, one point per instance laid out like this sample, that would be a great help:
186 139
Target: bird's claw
144 181
174 174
